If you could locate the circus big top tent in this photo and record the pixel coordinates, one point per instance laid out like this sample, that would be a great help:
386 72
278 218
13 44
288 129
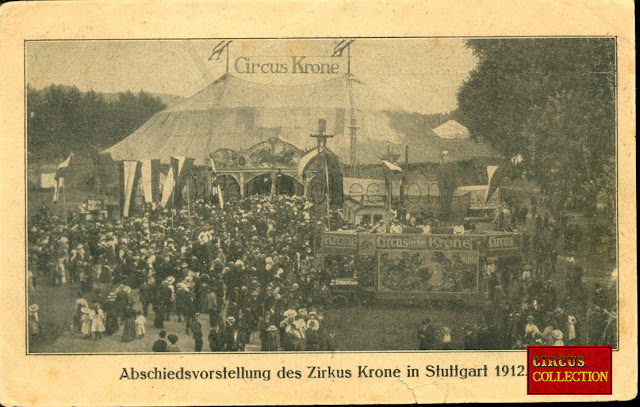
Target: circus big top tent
257 136
236 114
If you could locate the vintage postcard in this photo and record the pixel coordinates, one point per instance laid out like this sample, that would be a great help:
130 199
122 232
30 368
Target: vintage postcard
317 203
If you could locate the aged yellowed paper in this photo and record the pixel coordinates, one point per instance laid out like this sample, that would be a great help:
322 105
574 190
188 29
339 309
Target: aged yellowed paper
313 202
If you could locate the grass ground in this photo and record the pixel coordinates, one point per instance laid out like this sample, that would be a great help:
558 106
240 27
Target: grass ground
371 327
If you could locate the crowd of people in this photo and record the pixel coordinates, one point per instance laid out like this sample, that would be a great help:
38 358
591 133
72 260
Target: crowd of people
247 266
247 273
529 301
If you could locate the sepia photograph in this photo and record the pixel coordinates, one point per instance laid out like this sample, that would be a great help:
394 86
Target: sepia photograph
425 194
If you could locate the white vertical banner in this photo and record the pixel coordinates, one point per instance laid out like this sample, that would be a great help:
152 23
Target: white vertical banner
167 190
130 168
220 197
56 189
491 169
147 181
215 188
62 169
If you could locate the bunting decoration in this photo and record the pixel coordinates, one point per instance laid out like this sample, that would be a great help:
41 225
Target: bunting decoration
218 49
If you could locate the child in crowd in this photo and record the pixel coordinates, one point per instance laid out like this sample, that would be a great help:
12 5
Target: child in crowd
173 339
140 321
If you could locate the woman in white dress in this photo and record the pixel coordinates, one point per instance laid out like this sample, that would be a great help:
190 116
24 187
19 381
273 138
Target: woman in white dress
86 323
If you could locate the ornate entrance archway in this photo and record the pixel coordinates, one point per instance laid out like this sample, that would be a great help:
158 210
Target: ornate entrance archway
287 185
262 184
229 186
258 185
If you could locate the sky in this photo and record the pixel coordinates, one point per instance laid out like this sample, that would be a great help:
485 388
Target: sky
420 75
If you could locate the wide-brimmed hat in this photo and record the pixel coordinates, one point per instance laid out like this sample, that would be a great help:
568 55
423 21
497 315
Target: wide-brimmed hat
530 318
272 328
231 318
557 334
85 310
169 280
33 307
290 313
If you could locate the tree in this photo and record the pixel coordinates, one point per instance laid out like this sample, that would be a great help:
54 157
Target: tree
551 100
61 119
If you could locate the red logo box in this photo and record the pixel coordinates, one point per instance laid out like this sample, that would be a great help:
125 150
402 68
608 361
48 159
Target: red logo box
569 369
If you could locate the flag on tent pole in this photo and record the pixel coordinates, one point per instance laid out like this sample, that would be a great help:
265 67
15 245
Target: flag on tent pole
215 188
129 179
389 166
217 50
496 175
61 171
342 45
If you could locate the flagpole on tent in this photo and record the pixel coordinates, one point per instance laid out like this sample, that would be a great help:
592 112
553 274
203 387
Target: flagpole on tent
349 59
173 193
388 185
326 174
322 137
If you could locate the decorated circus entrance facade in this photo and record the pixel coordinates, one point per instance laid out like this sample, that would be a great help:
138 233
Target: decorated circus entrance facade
276 167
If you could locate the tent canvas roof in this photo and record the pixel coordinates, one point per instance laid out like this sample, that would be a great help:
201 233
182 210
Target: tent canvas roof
451 130
236 114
